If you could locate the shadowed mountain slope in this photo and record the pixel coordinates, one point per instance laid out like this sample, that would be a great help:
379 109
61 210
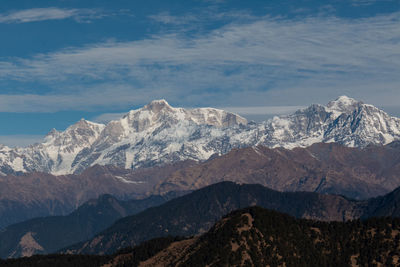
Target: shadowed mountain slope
196 212
49 234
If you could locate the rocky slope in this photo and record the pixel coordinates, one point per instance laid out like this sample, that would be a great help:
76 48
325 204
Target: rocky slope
159 134
324 168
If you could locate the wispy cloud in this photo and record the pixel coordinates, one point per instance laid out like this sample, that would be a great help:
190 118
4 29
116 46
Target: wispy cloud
266 61
20 140
101 96
107 117
167 18
358 3
204 17
267 110
364 2
50 13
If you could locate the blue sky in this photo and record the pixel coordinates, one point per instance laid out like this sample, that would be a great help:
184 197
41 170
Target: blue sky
64 60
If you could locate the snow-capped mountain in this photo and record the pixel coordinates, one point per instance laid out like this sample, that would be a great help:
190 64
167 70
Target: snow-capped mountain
345 121
159 133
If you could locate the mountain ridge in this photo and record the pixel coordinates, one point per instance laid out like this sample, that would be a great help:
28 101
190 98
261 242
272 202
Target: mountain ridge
195 213
331 168
259 237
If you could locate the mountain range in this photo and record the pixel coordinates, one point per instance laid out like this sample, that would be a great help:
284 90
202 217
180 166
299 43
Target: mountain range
328 168
159 134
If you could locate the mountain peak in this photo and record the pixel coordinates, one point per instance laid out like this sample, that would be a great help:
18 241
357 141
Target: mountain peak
159 101
53 132
81 122
157 105
343 104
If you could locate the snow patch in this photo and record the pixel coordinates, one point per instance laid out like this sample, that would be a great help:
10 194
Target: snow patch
128 181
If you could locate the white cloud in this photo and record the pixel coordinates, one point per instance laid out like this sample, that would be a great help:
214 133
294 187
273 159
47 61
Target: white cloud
268 61
107 117
108 96
364 2
20 140
50 13
201 18
167 18
267 110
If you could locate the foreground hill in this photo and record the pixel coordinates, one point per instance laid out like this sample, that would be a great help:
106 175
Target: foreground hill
136 255
324 167
259 237
159 133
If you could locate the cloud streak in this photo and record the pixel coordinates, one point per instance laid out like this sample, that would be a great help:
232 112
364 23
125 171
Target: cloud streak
107 117
266 61
20 140
267 110
50 13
